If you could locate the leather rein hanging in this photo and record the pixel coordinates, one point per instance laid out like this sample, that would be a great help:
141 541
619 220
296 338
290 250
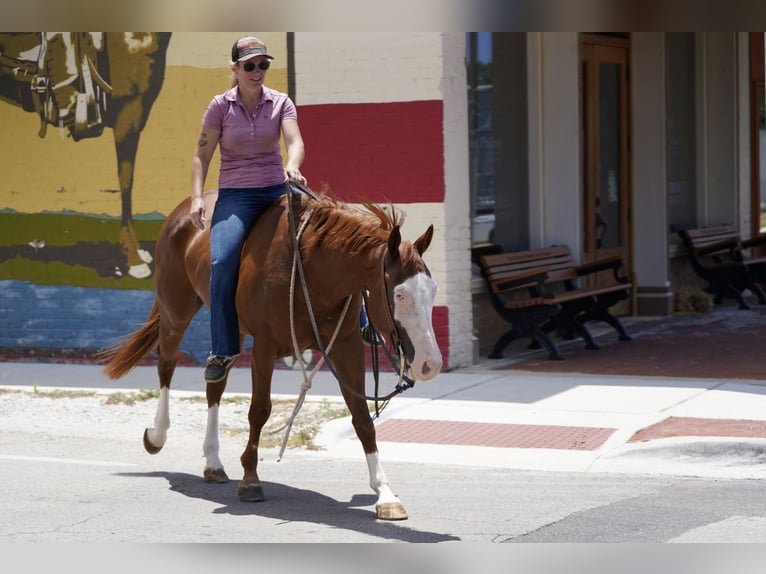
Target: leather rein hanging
398 362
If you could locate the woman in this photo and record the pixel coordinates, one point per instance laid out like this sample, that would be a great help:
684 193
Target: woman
247 122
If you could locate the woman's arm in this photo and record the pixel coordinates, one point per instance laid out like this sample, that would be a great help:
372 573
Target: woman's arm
295 150
206 144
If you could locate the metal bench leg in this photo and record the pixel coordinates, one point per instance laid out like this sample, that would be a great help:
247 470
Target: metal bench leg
614 322
503 342
758 292
523 328
737 294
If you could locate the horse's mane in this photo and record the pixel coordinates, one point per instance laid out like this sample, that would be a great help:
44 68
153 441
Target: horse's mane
353 228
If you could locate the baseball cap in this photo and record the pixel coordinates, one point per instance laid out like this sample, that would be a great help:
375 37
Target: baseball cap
248 47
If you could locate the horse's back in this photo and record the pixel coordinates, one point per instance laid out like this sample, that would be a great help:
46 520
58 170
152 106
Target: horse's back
182 251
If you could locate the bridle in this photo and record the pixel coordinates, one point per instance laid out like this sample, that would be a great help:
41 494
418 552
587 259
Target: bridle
399 361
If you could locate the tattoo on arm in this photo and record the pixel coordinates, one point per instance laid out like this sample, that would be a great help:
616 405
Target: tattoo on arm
202 140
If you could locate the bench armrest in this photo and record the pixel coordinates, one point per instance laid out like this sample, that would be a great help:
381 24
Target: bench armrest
601 265
725 245
753 242
614 263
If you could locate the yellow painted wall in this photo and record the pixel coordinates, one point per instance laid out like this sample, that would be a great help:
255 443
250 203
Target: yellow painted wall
56 173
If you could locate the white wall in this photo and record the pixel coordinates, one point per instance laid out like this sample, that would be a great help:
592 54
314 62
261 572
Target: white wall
457 212
555 140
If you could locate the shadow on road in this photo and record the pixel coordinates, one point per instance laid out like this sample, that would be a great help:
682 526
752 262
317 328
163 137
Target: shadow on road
289 504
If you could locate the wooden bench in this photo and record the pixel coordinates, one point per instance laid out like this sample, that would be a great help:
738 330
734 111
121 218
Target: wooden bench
721 258
537 291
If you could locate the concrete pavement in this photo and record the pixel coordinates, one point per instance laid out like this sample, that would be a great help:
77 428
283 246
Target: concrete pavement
514 418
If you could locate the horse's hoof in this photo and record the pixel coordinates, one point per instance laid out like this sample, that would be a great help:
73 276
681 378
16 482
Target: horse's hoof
150 448
215 475
250 492
391 511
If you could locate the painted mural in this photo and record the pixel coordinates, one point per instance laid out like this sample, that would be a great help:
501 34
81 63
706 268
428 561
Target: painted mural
98 134
81 83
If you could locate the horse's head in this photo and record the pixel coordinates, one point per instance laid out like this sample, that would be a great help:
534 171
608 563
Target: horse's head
410 292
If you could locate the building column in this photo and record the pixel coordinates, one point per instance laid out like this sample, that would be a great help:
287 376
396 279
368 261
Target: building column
653 290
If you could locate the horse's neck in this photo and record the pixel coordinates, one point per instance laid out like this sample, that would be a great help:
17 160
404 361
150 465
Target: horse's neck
362 271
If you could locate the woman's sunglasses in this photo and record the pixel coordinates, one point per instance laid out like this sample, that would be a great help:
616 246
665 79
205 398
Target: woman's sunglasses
250 66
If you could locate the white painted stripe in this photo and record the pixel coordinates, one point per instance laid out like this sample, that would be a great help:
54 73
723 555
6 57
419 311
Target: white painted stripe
368 67
212 50
64 460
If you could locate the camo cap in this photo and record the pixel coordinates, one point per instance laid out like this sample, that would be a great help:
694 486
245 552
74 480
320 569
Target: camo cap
248 47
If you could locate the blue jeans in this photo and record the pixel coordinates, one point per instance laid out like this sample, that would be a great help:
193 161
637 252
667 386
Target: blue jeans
235 213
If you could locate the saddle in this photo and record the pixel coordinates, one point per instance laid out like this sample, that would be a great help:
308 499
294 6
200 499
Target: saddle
64 86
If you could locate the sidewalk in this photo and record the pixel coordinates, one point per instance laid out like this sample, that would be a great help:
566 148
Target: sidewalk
576 422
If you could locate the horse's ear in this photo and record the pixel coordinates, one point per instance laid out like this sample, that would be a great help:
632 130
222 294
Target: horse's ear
422 242
394 239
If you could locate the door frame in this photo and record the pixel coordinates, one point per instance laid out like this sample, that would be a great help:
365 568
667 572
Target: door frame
595 49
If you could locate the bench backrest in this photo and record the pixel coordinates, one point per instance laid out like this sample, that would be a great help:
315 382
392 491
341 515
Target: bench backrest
556 261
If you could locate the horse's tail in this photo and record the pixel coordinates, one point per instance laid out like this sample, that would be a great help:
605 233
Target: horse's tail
122 357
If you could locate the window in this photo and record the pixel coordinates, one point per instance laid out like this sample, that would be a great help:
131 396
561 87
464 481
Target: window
681 113
481 136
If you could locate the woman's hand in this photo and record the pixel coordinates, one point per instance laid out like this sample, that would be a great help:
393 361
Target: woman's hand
295 173
198 212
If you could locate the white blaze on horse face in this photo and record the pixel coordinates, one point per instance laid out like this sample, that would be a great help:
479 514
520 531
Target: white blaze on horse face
413 306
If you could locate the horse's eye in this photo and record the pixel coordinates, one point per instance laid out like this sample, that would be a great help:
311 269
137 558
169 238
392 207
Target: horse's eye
399 296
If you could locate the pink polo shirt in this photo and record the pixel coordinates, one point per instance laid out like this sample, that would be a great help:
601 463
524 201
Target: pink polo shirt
250 152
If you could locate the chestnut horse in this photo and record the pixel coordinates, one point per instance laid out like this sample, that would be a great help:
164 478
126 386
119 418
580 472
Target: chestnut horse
130 68
343 251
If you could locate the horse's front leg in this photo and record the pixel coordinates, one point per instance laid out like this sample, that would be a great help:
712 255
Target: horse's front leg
250 488
213 471
388 505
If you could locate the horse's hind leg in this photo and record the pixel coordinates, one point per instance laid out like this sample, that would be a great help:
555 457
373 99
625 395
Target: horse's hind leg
388 505
155 437
214 471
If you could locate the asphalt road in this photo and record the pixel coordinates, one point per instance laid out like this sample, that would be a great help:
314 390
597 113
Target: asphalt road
67 489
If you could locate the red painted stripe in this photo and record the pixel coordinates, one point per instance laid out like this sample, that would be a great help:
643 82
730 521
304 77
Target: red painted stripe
440 319
383 152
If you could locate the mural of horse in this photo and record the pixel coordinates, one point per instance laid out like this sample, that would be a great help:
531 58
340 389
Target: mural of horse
343 251
83 82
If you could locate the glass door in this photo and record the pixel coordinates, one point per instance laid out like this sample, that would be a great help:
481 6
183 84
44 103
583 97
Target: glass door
758 137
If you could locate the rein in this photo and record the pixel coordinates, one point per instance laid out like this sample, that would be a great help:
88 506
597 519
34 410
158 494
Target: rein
399 362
